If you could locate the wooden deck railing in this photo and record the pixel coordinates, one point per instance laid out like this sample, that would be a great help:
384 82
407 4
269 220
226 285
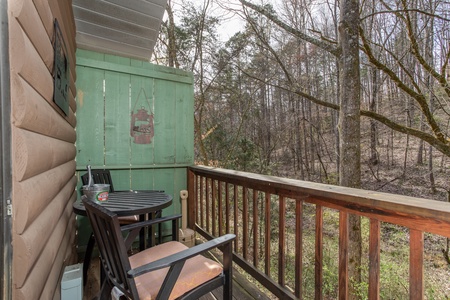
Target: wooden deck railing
263 210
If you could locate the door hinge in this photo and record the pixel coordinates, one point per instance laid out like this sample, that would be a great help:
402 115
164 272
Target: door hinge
8 207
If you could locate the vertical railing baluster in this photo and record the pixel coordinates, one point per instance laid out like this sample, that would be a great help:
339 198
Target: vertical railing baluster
255 229
227 207
267 238
207 181
245 222
416 289
343 255
374 259
282 240
319 253
298 248
202 218
213 207
220 208
236 218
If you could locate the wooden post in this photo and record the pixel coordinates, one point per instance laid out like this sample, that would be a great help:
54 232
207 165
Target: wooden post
343 255
374 259
318 283
416 286
191 199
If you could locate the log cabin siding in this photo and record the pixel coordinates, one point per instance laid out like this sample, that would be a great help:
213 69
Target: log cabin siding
43 162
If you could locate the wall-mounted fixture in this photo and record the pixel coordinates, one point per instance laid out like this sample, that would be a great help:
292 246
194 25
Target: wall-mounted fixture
60 71
141 128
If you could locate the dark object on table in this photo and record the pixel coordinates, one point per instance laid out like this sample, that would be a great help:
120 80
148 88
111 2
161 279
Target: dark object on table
169 269
103 176
96 192
99 176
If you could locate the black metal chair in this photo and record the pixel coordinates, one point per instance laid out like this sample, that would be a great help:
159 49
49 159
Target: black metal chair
103 176
166 271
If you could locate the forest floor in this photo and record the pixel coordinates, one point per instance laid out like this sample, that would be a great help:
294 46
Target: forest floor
414 180
393 175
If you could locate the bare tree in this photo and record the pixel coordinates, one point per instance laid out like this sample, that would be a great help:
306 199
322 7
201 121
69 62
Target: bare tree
349 126
436 136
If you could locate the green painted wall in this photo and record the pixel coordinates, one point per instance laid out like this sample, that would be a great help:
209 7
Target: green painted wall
109 90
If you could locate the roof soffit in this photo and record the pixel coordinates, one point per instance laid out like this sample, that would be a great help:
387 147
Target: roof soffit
121 27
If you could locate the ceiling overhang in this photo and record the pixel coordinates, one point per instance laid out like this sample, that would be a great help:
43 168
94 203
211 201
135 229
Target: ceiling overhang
126 28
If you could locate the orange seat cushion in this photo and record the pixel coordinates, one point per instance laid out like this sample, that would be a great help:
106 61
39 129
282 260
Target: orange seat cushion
196 271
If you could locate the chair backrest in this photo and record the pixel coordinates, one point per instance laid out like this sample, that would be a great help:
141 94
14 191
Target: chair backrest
100 176
113 253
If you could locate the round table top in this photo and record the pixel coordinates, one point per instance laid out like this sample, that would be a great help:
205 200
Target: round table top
129 203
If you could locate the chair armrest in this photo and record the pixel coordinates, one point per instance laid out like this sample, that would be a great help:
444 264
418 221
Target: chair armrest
148 223
181 256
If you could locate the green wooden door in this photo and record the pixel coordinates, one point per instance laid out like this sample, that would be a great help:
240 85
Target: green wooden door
111 90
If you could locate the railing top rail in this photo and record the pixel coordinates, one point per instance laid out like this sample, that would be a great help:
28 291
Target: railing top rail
365 202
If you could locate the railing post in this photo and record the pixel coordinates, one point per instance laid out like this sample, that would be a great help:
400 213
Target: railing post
318 283
343 255
236 217
282 240
416 290
245 219
220 207
192 192
374 259
207 206
298 247
227 207
267 234
255 229
213 207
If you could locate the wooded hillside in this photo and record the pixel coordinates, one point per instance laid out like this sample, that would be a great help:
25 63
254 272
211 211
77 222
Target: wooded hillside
267 99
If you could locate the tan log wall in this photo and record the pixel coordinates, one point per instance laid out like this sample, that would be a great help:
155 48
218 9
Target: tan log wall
43 149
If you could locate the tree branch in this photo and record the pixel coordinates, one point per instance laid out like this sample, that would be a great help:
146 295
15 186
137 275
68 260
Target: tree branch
437 139
332 49
264 41
443 147
405 10
420 99
415 47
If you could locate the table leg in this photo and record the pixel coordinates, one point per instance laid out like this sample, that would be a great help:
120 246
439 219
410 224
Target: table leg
87 256
151 231
142 234
158 214
159 234
150 241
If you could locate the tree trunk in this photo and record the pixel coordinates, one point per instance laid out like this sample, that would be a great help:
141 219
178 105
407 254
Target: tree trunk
421 144
305 140
429 45
172 50
349 128
373 124
408 123
298 138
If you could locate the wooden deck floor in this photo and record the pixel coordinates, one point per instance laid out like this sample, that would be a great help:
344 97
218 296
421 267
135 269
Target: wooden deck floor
242 289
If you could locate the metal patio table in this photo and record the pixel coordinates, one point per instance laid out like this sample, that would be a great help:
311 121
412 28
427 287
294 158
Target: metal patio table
145 203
